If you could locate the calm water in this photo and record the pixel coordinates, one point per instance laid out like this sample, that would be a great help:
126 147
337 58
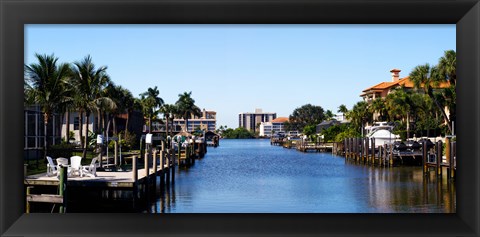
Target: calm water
251 176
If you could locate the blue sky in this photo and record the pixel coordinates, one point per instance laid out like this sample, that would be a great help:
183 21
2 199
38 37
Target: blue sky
236 68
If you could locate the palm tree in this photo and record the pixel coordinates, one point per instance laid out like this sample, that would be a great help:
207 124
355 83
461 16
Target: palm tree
447 66
46 86
124 100
342 109
128 103
168 111
328 115
399 103
378 106
186 107
359 115
151 102
428 78
90 83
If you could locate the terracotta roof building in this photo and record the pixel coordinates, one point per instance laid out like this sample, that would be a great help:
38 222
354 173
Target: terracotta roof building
383 88
273 127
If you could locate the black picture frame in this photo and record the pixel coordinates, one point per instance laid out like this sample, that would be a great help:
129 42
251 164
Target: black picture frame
14 14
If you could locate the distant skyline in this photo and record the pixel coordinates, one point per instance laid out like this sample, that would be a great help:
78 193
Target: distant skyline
234 69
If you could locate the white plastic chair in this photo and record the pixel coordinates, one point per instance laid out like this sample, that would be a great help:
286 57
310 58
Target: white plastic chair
51 167
62 161
90 170
75 166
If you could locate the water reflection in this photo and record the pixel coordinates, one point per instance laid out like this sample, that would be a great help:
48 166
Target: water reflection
252 176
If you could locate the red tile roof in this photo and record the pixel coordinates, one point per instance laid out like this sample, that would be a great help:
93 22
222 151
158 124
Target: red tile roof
280 120
404 81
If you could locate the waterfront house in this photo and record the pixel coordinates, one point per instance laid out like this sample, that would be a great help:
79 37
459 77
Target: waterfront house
118 122
206 122
275 126
326 124
382 89
34 131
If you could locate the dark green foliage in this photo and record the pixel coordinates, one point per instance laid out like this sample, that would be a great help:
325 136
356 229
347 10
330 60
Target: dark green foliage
338 133
309 129
238 133
305 115
61 150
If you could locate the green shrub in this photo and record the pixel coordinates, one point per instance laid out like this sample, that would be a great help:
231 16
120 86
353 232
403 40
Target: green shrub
61 150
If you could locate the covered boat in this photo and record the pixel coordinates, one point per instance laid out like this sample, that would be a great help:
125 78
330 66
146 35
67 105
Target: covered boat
383 136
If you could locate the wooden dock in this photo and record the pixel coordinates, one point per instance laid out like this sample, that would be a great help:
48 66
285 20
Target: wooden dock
360 150
314 147
136 180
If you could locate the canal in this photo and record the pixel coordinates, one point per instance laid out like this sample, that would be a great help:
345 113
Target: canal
251 176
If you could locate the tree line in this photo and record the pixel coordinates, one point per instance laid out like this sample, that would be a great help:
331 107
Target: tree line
81 86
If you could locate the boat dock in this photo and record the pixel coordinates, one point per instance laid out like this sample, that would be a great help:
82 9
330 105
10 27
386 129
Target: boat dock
304 146
139 180
360 150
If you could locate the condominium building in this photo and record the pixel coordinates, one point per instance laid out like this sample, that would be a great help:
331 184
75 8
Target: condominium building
274 127
250 121
207 122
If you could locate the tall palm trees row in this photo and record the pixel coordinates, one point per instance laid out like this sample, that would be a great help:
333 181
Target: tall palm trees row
426 105
61 88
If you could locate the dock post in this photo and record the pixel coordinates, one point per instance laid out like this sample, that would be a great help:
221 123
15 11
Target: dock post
115 152
424 158
171 164
162 172
380 154
391 155
439 157
147 165
447 155
354 148
360 149
146 181
27 206
373 150
135 180
350 149
155 166
62 188
367 147
179 154
452 158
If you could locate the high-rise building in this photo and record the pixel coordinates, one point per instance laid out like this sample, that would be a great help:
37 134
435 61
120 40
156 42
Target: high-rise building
250 121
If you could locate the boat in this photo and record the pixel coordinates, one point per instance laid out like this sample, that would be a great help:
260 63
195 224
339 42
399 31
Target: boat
427 141
399 146
379 125
383 136
413 145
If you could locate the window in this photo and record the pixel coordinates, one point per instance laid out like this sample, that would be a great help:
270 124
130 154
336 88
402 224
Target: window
76 123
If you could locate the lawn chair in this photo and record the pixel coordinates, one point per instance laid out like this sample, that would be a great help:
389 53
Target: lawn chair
62 162
75 166
51 167
90 170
